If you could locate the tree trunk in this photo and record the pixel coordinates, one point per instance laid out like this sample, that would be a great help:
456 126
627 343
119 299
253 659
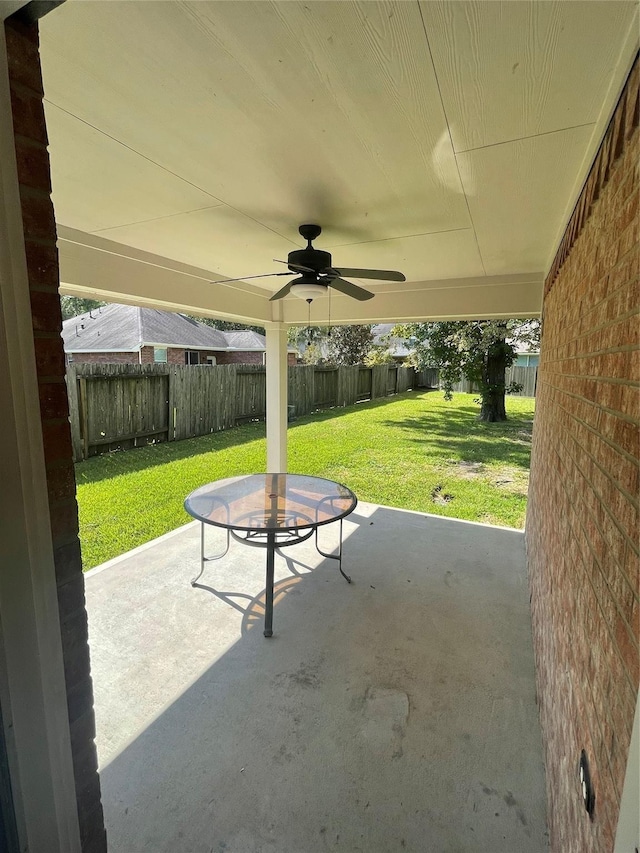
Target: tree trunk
493 408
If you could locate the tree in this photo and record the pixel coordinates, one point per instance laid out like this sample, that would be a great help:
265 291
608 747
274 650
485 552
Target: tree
332 344
224 326
349 344
73 306
379 354
480 350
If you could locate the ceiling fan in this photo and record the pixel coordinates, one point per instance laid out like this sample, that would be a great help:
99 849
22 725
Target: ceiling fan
316 274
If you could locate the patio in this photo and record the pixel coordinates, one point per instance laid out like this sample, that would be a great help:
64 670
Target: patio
397 713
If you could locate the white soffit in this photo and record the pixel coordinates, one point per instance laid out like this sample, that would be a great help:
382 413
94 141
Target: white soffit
204 237
443 139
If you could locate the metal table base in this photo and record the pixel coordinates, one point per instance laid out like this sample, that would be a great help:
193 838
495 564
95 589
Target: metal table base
272 540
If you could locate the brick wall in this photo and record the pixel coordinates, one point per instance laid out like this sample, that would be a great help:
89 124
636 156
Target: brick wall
582 520
249 358
104 358
42 264
240 357
174 356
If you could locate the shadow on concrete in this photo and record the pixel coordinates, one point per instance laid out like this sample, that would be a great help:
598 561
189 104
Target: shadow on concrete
395 713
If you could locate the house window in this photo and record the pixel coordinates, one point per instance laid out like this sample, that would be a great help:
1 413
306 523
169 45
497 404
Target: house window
160 355
191 357
211 359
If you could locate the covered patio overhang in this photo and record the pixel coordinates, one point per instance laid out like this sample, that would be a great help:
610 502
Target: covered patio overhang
188 141
455 159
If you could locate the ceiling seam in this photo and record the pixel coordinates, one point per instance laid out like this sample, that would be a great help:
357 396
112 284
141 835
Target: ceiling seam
156 218
435 74
399 237
129 148
532 136
220 201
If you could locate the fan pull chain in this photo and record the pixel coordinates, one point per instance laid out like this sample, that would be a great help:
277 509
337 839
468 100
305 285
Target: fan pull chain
309 322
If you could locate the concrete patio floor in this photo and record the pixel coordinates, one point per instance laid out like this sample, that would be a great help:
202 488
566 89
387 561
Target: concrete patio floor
397 713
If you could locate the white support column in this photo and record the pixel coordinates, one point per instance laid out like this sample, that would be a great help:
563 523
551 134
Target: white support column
277 390
32 682
628 832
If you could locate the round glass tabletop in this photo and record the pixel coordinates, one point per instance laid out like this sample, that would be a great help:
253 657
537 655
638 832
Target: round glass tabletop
270 502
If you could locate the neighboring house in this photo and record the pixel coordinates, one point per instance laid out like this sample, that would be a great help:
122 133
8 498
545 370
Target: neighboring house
527 359
126 334
395 346
399 350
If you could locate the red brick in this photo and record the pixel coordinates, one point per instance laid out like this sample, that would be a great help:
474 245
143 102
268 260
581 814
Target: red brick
45 311
42 265
28 117
54 402
57 442
76 658
61 483
83 731
38 220
64 530
22 55
49 356
71 600
582 517
33 165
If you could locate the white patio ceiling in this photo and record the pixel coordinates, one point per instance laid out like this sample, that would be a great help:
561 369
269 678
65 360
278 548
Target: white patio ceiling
445 139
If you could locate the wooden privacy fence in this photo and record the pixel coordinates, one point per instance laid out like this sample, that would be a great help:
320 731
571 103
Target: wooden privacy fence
119 406
525 376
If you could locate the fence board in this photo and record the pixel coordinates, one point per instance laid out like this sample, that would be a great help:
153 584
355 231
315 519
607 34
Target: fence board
392 379
525 376
428 377
302 389
74 414
326 387
364 383
251 393
406 378
379 374
347 386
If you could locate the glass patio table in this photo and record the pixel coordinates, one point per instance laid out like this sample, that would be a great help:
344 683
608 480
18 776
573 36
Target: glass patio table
270 511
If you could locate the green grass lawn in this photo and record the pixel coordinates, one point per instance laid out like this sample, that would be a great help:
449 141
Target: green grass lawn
415 451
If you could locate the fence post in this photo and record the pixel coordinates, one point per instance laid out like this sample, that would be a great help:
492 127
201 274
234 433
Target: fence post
171 391
74 415
84 417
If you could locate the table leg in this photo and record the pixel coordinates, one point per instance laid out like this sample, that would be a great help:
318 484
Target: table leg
268 612
204 559
337 556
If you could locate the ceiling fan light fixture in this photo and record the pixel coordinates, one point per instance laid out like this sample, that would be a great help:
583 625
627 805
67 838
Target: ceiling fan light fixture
308 291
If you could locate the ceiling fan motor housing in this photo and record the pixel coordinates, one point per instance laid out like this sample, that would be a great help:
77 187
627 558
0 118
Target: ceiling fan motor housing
315 259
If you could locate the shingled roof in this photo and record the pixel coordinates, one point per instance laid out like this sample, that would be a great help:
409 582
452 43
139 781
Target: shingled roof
127 328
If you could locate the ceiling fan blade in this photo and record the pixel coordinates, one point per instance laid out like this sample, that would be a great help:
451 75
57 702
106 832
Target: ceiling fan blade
247 277
297 267
280 294
381 275
350 289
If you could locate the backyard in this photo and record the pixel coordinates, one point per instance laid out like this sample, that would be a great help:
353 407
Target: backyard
415 451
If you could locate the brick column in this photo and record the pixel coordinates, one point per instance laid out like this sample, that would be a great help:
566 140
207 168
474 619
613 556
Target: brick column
42 263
